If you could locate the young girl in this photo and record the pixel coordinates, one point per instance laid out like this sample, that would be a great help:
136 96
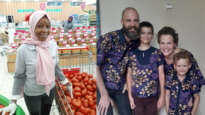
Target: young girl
145 76
182 90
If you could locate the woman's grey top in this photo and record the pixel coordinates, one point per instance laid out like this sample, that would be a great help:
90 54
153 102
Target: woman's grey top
25 70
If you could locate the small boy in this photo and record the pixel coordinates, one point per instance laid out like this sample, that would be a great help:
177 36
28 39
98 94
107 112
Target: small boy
182 91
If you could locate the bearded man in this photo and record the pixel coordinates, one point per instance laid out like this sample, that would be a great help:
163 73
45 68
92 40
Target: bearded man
112 60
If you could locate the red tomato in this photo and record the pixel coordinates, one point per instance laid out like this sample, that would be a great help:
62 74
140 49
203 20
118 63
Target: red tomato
90 93
91 102
90 76
76 103
76 84
94 95
90 82
84 91
94 86
79 113
82 85
89 87
74 80
92 112
94 81
85 79
77 94
94 106
77 89
79 77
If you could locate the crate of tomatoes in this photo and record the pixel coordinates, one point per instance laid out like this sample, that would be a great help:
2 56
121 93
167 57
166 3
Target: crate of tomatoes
84 94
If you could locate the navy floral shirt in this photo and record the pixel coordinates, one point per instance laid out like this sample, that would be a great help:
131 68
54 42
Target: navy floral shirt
145 76
112 58
181 94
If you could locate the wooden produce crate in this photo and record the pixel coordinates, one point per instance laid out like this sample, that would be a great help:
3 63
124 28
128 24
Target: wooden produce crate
94 57
69 60
11 57
11 66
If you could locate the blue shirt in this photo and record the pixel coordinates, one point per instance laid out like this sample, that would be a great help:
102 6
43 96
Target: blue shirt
112 58
145 75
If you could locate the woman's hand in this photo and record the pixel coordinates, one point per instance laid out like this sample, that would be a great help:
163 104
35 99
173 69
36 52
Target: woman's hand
69 86
11 108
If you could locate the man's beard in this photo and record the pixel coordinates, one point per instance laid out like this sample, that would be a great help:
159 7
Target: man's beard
131 35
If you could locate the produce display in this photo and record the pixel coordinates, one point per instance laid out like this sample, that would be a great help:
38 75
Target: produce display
73 45
74 38
84 93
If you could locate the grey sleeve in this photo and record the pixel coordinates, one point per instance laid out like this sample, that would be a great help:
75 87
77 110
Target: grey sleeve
58 73
19 76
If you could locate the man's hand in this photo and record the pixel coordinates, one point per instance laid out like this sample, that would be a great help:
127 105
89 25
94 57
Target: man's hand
104 104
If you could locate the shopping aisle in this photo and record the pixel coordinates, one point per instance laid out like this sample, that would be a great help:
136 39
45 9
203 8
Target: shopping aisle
6 84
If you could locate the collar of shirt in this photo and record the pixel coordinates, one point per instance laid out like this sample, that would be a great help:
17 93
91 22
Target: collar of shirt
186 79
31 47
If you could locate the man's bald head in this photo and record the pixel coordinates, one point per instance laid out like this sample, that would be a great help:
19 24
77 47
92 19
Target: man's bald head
128 9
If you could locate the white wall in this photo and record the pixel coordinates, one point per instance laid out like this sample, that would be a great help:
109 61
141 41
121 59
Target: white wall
187 17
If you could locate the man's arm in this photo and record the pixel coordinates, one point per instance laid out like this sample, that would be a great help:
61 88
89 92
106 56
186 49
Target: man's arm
100 82
105 99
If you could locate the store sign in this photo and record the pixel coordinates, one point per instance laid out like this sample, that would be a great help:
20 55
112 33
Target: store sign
42 6
54 4
25 10
32 10
75 3
53 10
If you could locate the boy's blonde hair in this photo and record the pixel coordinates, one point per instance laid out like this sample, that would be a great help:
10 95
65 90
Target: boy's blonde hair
183 54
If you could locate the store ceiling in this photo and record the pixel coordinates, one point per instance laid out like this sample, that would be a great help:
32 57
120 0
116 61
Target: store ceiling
33 0
87 1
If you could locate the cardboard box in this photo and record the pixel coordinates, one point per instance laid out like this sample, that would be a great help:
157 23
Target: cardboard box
94 57
11 66
11 57
71 60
